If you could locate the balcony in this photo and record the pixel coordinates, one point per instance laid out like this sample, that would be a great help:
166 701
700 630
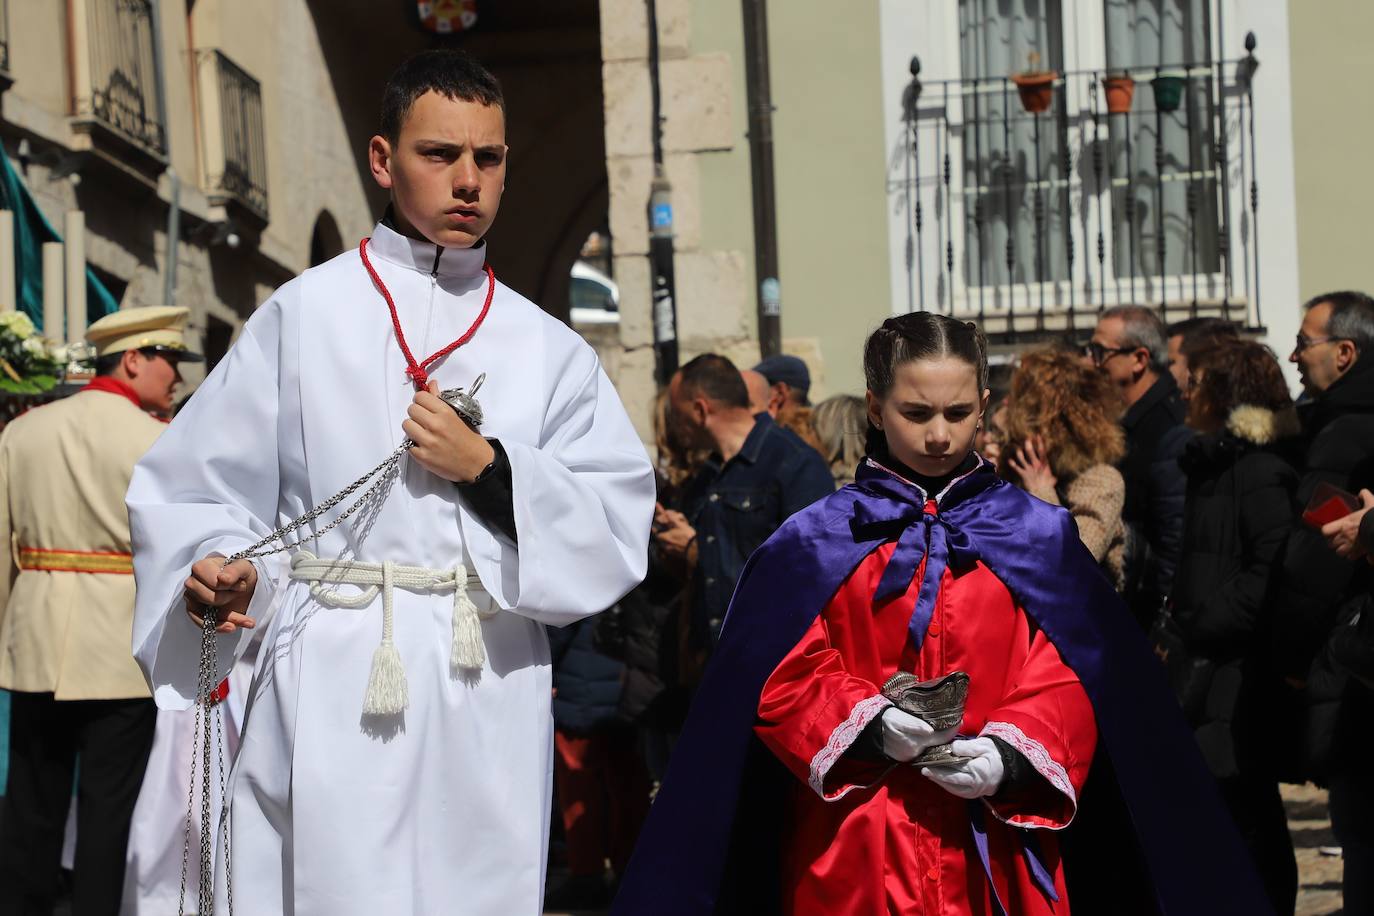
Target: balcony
232 138
115 78
1031 222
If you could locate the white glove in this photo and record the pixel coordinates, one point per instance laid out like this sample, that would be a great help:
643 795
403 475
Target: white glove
981 774
905 736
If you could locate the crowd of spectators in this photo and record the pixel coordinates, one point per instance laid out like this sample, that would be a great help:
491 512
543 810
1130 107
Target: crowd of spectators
1231 518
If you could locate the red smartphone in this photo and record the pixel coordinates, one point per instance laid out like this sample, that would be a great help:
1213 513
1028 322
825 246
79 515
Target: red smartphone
1328 504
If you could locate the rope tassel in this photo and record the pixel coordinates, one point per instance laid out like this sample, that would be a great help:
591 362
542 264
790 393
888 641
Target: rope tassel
467 651
386 686
387 691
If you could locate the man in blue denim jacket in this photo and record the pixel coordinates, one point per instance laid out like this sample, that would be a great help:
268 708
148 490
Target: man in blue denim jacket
758 475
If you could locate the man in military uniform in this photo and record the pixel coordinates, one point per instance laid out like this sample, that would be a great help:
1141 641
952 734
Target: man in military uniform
66 615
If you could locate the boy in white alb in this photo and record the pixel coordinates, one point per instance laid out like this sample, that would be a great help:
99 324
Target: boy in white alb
396 755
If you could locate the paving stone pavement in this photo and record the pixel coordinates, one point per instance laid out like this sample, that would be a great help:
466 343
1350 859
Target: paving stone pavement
1319 876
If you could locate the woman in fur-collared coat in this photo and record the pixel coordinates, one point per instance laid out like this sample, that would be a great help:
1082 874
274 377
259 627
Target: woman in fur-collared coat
1240 509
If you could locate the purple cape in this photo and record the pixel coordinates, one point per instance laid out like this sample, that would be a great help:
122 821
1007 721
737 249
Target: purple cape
712 839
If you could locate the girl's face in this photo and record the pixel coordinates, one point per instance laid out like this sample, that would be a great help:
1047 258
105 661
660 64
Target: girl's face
931 415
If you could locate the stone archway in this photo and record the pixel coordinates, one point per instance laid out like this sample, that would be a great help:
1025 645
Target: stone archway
547 55
325 239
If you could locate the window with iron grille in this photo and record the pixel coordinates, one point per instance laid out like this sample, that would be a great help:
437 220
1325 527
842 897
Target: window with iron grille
123 79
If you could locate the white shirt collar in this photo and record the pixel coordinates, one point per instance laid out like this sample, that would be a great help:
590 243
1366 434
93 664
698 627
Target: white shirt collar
426 257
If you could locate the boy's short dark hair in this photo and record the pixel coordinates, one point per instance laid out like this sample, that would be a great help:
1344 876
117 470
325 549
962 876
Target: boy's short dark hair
451 73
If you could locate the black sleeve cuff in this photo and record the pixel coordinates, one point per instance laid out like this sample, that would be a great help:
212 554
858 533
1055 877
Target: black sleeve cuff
868 747
1020 780
491 496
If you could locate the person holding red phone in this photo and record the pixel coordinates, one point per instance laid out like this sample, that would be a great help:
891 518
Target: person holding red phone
1321 591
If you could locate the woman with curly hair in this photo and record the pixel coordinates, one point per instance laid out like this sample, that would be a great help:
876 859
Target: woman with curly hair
1215 636
1062 440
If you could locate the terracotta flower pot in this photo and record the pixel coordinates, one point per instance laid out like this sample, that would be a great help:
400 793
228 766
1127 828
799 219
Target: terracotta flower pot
1120 90
1168 89
1036 90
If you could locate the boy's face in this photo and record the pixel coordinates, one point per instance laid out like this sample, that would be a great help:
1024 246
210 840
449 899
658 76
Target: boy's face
446 170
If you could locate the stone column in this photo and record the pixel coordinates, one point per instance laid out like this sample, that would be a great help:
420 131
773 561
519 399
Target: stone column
697 97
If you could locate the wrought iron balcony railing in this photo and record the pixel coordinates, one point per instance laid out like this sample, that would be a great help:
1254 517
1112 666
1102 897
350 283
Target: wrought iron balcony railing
1031 202
235 154
116 79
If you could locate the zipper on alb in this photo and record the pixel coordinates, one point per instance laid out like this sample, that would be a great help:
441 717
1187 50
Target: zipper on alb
433 289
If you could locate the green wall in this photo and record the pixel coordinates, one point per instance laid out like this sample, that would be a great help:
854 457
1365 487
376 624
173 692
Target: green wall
1333 143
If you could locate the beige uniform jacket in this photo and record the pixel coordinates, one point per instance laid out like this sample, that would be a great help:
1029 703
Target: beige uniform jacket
64 469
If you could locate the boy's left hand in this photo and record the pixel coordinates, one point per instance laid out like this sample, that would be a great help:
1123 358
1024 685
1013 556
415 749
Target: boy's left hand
445 444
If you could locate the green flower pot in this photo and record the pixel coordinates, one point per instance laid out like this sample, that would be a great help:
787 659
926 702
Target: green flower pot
1168 91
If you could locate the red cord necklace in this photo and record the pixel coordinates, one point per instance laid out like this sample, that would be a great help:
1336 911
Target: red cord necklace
418 372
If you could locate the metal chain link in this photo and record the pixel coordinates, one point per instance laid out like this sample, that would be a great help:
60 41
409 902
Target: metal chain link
209 719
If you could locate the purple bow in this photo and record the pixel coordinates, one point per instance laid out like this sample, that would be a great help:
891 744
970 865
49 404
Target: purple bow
920 534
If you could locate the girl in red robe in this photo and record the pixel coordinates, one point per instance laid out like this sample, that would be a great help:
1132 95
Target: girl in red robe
792 789
870 833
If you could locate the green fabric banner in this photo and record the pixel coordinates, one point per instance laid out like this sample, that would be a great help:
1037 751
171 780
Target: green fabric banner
31 230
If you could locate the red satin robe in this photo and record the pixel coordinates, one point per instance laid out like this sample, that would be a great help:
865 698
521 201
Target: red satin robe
862 841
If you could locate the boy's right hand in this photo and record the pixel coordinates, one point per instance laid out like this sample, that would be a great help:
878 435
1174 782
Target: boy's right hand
228 587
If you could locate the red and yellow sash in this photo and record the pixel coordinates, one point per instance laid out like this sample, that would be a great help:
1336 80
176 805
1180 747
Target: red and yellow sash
82 561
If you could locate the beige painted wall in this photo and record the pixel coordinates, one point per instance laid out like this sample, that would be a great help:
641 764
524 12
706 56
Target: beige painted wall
828 165
1333 139
831 171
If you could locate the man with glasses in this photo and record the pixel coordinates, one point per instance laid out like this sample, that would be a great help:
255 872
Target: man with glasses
67 611
1320 590
1130 346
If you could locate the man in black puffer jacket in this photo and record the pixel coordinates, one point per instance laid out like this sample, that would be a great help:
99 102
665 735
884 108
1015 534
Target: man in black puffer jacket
1335 356
1338 428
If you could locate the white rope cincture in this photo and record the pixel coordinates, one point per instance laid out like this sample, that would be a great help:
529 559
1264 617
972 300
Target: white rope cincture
387 693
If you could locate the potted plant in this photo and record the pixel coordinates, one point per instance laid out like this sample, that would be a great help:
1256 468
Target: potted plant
1168 87
1035 86
1120 89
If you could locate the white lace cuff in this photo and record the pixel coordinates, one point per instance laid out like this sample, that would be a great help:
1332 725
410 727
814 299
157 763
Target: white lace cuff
840 740
1039 757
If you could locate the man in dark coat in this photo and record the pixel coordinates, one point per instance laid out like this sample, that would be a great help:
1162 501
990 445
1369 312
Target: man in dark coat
759 474
1130 346
1318 587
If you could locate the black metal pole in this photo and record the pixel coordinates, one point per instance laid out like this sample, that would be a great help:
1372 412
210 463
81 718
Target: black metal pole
1097 187
1223 168
1250 65
1066 201
1159 199
1038 203
949 211
1007 202
1192 193
761 164
978 198
907 189
664 306
1130 204
913 98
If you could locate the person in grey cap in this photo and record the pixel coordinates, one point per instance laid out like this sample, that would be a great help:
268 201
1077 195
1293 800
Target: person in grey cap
789 384
789 380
